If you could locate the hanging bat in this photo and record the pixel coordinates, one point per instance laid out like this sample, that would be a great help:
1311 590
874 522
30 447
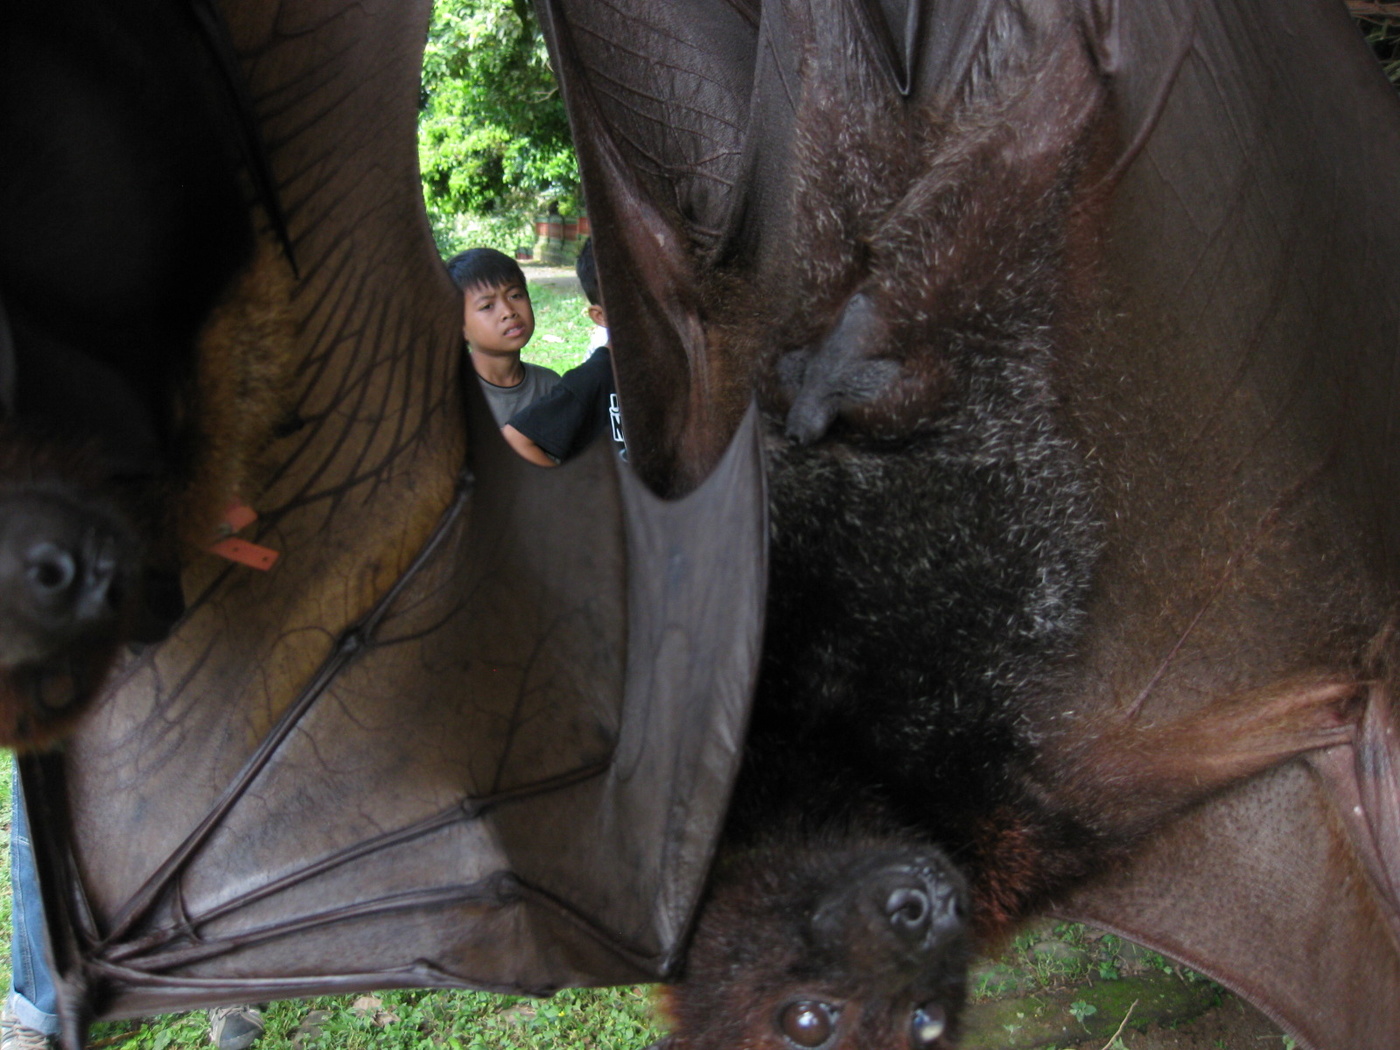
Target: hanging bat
131 321
1062 316
513 698
1075 408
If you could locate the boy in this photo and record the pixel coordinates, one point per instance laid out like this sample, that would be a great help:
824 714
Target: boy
584 403
497 321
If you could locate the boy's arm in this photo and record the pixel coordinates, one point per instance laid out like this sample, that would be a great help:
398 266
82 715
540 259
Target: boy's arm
526 448
553 424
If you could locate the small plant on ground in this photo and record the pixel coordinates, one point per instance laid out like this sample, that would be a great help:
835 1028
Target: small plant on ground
1082 1010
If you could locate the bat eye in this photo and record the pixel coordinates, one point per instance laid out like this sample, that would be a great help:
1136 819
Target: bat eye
928 1023
808 1023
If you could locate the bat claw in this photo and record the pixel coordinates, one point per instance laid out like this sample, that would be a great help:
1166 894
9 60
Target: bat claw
841 375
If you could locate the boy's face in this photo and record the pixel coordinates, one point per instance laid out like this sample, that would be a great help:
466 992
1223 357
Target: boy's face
497 319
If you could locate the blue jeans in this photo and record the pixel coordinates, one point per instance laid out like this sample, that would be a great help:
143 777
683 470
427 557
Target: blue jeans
32 997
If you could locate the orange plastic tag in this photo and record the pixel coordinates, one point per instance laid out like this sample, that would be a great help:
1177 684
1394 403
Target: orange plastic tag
236 518
245 553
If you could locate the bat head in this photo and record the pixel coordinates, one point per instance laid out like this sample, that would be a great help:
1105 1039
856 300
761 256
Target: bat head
864 944
68 580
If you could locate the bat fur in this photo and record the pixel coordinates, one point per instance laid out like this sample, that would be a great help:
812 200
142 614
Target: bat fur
55 498
1022 644
935 534
241 399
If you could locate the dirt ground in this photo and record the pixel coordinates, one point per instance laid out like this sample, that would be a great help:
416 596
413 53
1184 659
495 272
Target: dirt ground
1233 1025
550 276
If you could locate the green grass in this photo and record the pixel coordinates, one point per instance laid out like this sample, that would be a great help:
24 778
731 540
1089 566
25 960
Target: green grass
562 328
1049 956
575 1019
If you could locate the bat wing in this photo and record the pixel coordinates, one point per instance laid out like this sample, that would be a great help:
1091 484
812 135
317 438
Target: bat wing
667 111
479 724
1234 398
1255 469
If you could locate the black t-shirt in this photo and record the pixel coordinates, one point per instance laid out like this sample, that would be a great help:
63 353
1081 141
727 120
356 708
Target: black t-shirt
581 406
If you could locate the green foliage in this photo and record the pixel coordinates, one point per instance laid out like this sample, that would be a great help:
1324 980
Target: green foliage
1109 963
1156 961
612 1019
995 980
493 138
1383 34
505 231
1053 955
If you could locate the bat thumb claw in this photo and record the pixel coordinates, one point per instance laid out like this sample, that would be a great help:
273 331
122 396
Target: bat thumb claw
809 418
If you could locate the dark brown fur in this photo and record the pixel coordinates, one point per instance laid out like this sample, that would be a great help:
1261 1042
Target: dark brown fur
242 397
802 923
51 663
935 535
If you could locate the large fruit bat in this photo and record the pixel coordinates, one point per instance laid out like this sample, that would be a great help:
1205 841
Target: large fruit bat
457 738
318 781
1110 273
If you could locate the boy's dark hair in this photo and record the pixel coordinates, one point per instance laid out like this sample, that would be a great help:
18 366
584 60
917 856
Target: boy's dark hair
484 268
588 272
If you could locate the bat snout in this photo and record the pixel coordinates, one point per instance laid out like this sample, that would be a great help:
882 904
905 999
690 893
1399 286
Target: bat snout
892 914
61 576
915 909
920 908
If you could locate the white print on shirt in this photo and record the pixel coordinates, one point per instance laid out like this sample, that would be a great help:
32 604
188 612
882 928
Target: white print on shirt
615 418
